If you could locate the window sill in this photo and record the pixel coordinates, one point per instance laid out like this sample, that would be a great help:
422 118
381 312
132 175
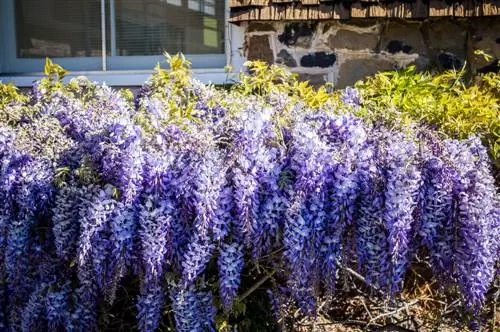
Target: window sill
122 78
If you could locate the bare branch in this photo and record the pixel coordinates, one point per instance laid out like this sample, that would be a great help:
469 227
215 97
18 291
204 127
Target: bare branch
255 286
387 314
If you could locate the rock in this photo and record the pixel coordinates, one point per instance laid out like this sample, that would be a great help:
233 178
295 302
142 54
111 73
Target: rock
396 46
352 40
298 34
485 37
315 80
493 67
445 35
446 40
421 63
402 37
353 70
260 49
448 61
318 59
366 24
285 58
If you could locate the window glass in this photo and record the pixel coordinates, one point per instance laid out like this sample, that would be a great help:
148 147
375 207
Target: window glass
151 27
138 33
58 28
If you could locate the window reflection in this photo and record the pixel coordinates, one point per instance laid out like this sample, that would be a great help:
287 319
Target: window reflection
151 27
72 28
58 28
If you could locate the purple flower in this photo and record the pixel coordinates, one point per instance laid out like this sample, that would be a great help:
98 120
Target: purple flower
401 198
65 222
230 263
193 310
350 97
476 248
149 307
155 237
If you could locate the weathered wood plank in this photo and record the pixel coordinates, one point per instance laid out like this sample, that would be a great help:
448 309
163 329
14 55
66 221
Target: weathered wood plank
440 8
310 2
468 8
491 7
359 10
246 3
377 10
244 10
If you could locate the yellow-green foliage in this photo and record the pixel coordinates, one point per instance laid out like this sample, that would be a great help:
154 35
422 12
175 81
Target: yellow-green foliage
52 82
54 74
12 104
264 79
11 101
9 93
174 82
174 88
441 100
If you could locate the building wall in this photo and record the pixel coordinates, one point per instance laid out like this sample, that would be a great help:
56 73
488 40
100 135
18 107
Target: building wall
343 52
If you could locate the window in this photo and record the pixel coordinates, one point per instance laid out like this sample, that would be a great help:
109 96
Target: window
146 27
137 33
57 28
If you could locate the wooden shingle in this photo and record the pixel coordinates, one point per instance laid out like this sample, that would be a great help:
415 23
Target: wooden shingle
297 10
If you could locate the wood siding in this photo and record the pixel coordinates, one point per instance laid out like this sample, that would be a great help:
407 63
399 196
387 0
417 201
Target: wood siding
290 10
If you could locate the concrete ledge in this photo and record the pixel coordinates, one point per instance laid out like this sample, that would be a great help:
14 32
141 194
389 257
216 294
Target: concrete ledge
121 77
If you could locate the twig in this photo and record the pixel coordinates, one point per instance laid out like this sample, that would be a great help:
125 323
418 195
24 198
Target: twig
359 322
318 311
405 307
272 253
415 325
361 278
447 309
366 308
255 286
393 328
322 305
346 322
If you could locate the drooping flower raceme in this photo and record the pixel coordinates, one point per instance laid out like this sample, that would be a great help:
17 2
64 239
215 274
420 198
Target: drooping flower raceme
306 217
193 310
180 192
401 199
230 263
474 243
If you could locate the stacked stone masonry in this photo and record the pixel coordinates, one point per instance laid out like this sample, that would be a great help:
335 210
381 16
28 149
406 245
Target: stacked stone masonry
343 52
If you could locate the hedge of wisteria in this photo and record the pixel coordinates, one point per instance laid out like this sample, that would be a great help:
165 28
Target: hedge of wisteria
95 188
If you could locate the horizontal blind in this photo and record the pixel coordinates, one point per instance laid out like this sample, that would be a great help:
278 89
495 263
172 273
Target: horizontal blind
152 27
58 28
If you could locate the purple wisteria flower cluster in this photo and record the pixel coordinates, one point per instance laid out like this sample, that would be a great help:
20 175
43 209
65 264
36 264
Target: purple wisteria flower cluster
189 187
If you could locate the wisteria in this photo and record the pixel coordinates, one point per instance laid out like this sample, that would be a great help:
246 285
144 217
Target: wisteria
230 263
185 189
193 309
351 97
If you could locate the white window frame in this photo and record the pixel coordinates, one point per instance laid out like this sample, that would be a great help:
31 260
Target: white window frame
207 68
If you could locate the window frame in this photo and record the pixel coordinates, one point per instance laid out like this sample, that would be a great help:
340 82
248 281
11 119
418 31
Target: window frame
206 67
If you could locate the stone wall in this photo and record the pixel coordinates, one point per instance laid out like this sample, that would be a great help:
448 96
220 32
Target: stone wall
344 51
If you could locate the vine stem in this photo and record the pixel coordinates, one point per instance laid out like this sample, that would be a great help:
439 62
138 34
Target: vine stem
255 286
